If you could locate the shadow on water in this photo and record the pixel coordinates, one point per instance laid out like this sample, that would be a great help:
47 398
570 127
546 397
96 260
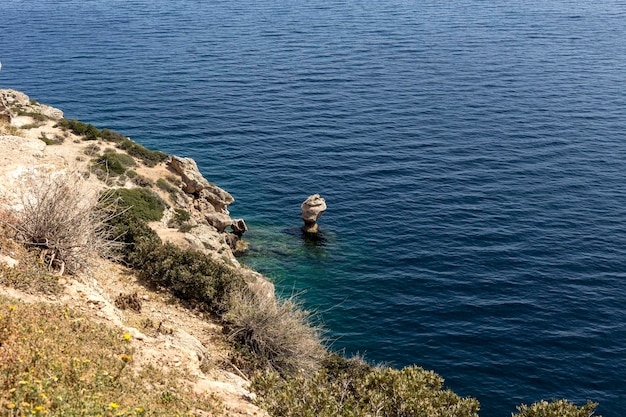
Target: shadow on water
310 240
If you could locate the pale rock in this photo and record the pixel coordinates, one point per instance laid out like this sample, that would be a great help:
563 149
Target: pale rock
218 198
220 221
312 208
191 344
8 261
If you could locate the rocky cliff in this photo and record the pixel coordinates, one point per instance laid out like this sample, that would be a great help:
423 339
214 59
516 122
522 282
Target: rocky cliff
33 139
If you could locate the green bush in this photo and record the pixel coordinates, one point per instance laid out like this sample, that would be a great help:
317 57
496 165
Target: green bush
180 218
141 203
166 186
131 232
148 157
190 275
57 140
88 131
556 408
36 116
114 163
112 136
361 391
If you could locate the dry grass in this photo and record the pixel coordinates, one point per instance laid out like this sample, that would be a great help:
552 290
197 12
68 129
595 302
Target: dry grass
54 362
277 334
31 278
8 129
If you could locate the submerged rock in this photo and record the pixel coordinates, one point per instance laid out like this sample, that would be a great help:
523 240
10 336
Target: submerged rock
312 208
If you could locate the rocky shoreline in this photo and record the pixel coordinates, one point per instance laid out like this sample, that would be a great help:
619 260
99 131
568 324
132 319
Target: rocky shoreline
210 228
32 141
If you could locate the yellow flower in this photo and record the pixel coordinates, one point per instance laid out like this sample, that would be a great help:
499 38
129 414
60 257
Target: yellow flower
127 336
12 308
126 358
114 405
10 405
139 410
39 408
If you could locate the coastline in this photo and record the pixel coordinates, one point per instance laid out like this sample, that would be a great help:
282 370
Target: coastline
194 339
37 138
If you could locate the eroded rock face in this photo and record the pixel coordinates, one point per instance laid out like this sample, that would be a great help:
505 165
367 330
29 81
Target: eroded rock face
206 201
193 181
12 101
312 208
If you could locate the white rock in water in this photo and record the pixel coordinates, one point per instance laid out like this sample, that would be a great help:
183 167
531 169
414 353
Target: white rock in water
312 208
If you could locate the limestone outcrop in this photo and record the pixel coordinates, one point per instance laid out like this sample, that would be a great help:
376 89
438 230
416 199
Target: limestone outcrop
13 102
206 201
312 208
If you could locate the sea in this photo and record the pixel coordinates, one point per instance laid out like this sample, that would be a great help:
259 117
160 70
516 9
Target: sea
472 155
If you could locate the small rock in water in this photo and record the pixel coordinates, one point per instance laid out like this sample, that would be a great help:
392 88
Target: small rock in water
312 208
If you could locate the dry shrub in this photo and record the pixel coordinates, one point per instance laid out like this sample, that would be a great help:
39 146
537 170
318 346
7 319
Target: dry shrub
60 216
278 334
128 301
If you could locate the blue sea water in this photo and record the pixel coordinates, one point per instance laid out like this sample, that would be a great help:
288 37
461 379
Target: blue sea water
472 155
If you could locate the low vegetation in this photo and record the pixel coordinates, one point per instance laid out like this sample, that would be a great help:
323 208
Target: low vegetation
148 157
87 131
190 275
556 408
352 388
55 362
113 163
30 276
143 204
90 132
274 334
180 218
62 219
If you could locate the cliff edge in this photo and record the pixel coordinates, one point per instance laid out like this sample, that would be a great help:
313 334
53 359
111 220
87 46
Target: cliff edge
164 332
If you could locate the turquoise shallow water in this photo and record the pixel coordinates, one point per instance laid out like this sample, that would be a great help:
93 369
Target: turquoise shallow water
472 155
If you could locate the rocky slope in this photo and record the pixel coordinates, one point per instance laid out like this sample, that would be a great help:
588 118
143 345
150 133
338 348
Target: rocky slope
31 141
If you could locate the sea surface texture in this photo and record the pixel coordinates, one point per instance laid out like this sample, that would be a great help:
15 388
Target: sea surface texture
472 155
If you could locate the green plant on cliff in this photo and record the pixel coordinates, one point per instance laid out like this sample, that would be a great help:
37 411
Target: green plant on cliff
113 163
556 408
148 157
142 203
87 131
30 276
349 387
112 136
188 274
